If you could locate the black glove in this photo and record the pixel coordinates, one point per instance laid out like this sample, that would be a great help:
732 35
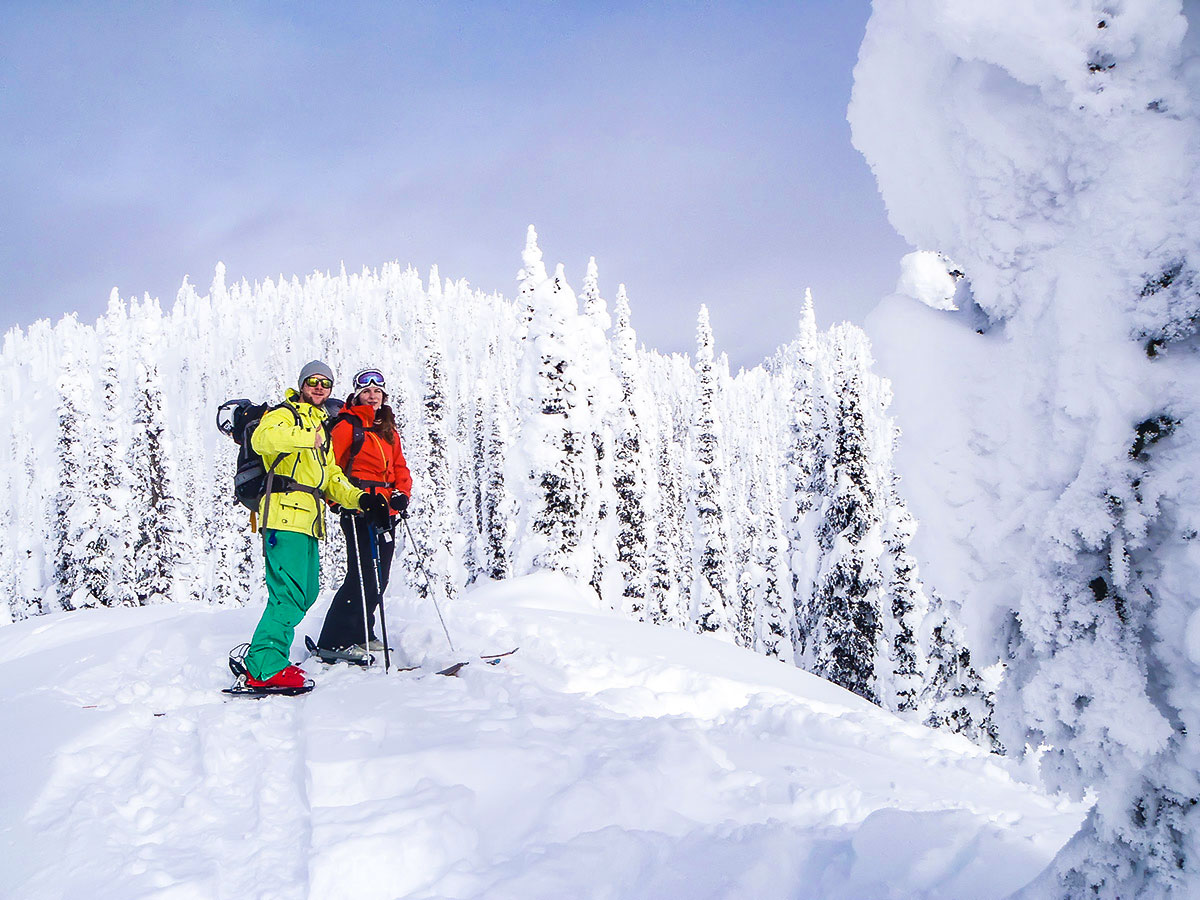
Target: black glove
399 503
375 508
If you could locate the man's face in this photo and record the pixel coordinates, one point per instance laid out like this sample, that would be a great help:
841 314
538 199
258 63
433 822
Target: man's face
315 389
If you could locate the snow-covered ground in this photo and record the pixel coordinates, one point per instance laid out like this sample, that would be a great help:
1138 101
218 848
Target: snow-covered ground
607 759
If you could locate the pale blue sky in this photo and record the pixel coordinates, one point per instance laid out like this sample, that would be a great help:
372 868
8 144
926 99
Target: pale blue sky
699 151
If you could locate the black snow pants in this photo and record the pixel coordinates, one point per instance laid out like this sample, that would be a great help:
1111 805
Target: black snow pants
344 621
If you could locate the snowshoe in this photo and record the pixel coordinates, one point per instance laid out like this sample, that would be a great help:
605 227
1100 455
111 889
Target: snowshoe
242 689
292 687
289 682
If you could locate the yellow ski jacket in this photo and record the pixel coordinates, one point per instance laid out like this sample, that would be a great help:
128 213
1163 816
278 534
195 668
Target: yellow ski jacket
289 448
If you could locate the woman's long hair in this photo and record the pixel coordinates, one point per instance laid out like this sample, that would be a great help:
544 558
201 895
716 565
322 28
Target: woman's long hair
385 423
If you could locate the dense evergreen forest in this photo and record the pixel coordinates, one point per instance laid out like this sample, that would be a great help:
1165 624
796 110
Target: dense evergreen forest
760 507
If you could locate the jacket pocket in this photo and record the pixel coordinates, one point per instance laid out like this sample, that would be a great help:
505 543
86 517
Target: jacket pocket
293 511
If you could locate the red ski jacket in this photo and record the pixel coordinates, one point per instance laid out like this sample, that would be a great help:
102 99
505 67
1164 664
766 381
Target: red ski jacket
378 465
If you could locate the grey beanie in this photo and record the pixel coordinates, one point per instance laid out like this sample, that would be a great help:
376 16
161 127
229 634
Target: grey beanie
316 367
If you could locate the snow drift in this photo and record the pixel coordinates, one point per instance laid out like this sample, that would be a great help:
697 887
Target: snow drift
607 758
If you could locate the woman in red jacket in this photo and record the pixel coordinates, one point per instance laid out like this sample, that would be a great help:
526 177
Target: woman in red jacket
367 448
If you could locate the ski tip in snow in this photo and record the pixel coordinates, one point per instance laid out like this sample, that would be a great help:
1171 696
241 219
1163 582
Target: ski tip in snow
493 659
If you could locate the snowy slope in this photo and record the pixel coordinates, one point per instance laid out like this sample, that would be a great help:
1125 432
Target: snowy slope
606 759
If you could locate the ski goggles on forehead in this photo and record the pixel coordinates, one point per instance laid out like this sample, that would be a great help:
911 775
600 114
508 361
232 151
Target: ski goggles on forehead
319 381
368 377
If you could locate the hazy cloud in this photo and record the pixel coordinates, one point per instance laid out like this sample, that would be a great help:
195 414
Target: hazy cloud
699 152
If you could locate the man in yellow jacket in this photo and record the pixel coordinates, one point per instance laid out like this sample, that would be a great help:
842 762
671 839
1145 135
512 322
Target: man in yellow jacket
291 441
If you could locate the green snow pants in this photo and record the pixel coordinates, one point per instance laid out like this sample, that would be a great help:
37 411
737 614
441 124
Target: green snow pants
293 565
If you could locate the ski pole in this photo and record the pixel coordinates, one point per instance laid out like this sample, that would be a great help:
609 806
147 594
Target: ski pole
428 583
387 661
362 590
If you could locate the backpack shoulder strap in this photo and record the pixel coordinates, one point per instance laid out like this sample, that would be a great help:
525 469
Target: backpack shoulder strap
270 487
286 405
357 437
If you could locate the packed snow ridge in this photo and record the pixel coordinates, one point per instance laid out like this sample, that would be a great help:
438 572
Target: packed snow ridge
607 758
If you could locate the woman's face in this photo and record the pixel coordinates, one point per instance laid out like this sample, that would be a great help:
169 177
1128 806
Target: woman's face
371 396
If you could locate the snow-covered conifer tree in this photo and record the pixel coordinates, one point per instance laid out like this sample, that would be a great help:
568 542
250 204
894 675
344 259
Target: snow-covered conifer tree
713 598
225 531
803 462
671 564
499 506
555 439
905 607
24 509
530 277
630 477
953 695
672 382
842 624
157 557
903 603
770 581
434 528
113 540
603 395
472 483
78 580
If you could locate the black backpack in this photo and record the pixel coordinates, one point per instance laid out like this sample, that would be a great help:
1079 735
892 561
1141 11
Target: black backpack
238 419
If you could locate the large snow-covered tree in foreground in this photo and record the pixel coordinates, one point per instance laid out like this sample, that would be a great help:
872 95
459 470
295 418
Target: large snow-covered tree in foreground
1050 406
